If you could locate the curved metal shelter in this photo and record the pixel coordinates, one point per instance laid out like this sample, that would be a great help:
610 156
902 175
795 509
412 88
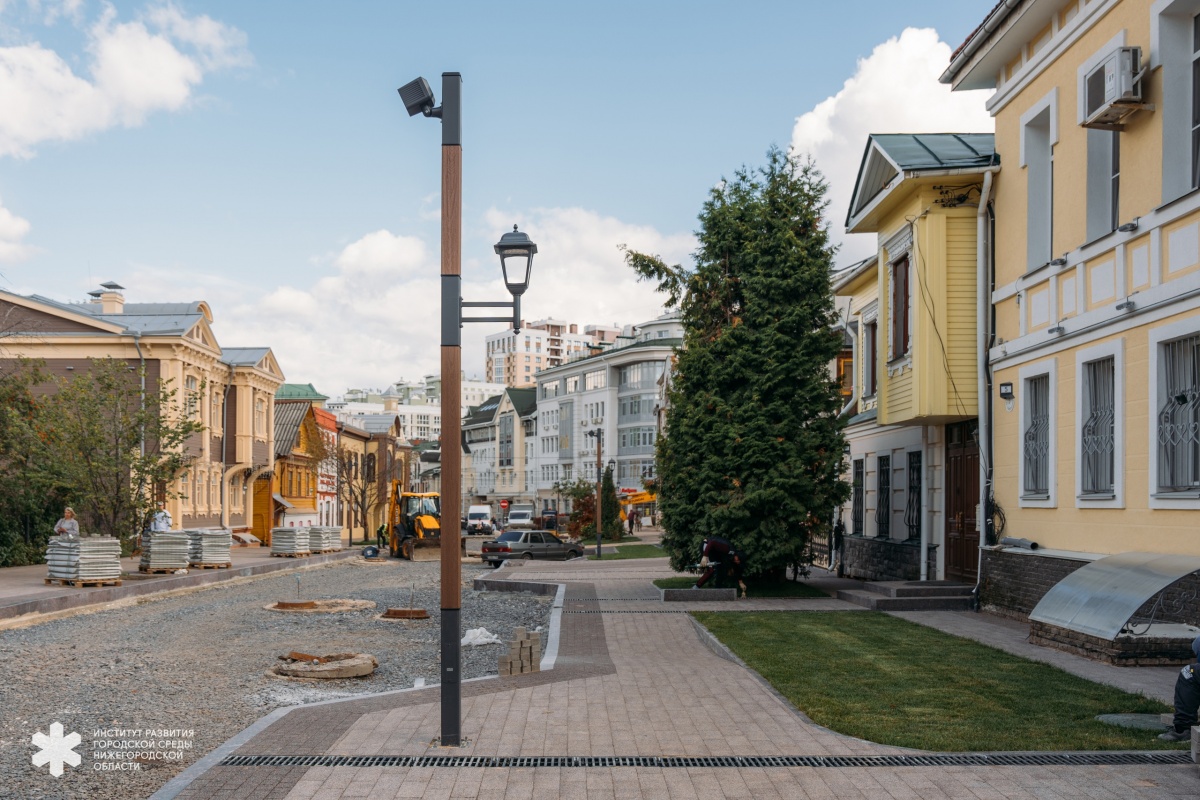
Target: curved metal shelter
1100 598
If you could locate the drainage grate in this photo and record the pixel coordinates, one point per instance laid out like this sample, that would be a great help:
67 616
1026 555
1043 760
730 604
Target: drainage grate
597 611
669 762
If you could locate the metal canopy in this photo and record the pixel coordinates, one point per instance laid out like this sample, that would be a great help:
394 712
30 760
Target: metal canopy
1100 597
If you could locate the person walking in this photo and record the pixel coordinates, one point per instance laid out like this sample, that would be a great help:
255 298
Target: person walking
68 525
1187 700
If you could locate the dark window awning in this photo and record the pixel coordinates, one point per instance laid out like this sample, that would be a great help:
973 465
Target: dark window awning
279 499
1100 598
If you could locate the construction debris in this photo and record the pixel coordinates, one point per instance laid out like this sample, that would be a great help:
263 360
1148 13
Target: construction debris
342 665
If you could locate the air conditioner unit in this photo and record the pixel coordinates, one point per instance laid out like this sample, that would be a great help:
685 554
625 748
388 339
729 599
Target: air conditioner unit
597 420
1113 89
583 423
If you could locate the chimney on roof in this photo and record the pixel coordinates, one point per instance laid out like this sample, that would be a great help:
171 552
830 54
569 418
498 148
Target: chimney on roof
574 328
109 298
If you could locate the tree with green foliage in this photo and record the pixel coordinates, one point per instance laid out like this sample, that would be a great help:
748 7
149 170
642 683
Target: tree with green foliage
113 444
753 444
610 507
582 497
31 496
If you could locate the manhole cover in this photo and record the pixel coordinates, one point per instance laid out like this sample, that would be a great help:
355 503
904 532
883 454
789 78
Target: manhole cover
405 613
1143 722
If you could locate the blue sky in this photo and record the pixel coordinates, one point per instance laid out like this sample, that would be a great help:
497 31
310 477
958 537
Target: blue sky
256 154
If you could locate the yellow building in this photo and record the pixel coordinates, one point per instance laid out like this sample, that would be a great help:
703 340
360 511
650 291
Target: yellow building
229 390
1095 353
911 309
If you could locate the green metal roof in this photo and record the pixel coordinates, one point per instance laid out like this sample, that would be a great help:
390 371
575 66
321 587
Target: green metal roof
298 391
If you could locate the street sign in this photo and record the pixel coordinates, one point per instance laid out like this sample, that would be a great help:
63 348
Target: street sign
504 504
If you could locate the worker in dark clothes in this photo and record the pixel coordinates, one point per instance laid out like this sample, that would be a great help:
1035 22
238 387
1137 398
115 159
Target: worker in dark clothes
722 562
1187 699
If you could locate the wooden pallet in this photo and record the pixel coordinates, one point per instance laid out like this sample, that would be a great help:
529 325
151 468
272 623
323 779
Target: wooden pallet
291 555
160 570
81 584
226 565
330 550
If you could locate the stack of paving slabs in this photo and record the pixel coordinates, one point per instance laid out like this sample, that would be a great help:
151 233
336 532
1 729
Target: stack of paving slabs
207 546
322 539
62 556
290 542
90 558
164 550
524 653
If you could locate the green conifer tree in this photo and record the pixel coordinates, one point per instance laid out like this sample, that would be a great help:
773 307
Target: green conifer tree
753 443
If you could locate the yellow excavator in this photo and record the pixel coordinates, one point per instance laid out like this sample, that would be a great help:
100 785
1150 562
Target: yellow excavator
414 520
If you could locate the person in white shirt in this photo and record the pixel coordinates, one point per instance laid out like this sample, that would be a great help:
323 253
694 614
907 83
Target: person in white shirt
68 525
161 521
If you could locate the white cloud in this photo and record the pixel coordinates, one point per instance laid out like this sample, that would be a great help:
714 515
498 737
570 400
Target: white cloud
12 230
894 90
135 68
374 315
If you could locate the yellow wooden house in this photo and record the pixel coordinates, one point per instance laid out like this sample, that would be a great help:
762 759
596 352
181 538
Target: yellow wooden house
911 311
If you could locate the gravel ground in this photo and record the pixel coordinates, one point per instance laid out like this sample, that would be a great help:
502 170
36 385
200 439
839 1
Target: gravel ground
199 662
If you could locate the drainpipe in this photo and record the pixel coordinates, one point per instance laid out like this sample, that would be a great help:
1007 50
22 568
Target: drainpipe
982 335
926 511
225 471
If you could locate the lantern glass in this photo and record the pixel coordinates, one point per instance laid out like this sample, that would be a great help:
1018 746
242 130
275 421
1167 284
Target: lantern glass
516 253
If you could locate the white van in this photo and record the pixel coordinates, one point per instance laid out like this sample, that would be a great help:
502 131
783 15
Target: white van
479 520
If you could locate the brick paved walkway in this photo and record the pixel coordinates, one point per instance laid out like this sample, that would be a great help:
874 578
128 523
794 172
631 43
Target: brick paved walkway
624 684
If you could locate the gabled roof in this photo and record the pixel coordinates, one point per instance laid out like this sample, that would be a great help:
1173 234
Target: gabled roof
524 401
243 356
298 391
289 415
483 413
889 156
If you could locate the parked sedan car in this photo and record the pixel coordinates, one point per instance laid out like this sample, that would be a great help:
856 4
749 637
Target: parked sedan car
528 545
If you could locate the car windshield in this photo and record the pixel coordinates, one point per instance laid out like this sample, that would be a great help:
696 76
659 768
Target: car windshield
510 537
519 515
477 515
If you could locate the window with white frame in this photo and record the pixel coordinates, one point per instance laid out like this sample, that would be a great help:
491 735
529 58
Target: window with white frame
260 417
1039 133
1036 436
901 307
1103 181
1100 425
1178 416
1098 432
1175 47
191 386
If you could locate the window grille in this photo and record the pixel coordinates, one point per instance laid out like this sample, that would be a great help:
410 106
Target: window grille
912 510
883 504
1179 416
857 509
1098 435
1037 435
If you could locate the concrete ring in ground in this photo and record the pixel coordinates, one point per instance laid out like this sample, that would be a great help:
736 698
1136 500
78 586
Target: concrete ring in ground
326 607
343 665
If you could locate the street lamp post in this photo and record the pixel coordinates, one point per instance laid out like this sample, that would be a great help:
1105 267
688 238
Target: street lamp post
598 435
516 253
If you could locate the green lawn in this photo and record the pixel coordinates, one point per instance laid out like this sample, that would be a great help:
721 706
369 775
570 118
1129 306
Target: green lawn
887 680
780 589
630 551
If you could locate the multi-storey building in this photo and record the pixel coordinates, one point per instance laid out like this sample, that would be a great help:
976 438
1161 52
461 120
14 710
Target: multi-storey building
914 458
1095 352
499 440
229 390
514 358
614 392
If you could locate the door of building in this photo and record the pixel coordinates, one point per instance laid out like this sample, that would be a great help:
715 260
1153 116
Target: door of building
962 498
